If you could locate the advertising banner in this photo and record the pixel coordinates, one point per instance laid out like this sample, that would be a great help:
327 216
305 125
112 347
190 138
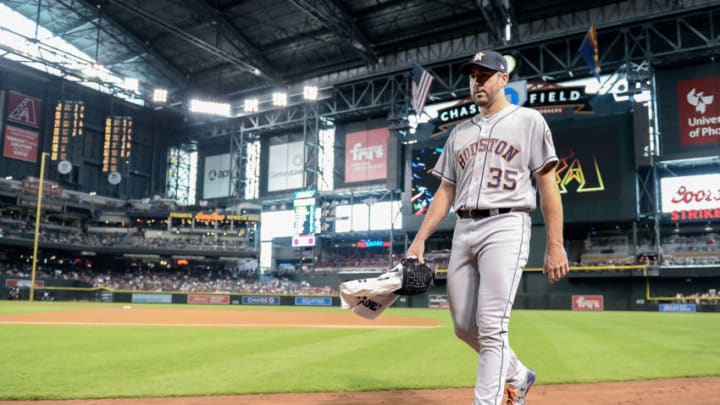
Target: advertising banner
552 99
286 166
690 198
314 301
438 301
698 103
151 298
677 308
22 283
216 180
208 299
366 155
588 303
20 144
24 109
688 111
260 300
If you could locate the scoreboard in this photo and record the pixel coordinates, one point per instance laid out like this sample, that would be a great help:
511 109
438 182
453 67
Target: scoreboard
304 218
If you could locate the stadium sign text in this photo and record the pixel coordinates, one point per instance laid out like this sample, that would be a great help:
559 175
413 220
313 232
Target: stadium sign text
554 99
694 215
588 303
457 112
213 216
691 198
699 111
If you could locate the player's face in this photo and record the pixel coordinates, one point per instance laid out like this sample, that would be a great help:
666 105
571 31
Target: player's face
486 86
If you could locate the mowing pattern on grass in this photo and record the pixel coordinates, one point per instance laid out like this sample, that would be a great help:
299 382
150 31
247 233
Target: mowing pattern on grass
90 361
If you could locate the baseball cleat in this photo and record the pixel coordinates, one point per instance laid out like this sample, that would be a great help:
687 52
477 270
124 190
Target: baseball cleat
516 395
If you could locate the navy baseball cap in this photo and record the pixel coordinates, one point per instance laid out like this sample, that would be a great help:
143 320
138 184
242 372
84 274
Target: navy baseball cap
486 59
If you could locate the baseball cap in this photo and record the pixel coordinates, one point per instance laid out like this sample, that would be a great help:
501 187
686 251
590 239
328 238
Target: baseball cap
486 59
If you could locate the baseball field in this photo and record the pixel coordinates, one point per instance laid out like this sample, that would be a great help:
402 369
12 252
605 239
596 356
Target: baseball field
186 354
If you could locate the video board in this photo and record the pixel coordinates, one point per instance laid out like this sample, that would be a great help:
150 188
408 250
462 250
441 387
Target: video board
423 184
595 172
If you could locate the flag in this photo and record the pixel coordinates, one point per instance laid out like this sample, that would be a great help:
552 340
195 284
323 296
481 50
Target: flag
421 82
589 51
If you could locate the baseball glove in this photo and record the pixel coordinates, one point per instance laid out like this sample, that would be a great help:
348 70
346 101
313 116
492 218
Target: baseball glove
417 277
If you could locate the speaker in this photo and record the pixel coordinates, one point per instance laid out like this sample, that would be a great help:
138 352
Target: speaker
393 181
641 135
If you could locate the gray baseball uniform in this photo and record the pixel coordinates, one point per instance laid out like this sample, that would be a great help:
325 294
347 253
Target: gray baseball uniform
492 162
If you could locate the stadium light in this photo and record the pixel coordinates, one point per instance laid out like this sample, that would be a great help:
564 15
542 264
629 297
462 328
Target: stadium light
511 62
310 93
160 95
131 84
280 99
252 105
210 107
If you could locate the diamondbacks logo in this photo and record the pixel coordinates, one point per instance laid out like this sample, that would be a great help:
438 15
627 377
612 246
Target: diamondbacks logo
24 109
699 100
23 112
570 170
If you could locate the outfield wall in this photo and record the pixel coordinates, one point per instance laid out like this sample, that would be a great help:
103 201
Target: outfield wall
621 290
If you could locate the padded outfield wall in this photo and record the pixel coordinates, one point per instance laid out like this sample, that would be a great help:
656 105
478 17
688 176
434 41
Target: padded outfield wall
622 290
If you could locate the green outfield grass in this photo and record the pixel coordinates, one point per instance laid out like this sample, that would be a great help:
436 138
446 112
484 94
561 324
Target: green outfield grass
60 362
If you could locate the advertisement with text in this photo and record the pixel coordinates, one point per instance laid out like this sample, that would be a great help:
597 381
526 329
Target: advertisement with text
366 155
691 198
20 144
216 180
286 166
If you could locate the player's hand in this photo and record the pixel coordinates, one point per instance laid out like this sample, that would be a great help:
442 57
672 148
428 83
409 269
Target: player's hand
556 263
417 249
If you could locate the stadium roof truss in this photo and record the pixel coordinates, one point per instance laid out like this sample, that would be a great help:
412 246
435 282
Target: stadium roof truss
694 35
359 53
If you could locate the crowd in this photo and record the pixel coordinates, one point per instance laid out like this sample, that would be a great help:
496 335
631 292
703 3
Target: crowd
693 249
188 241
353 259
677 249
52 233
708 297
61 234
201 279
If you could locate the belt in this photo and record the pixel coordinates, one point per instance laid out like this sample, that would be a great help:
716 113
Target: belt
478 214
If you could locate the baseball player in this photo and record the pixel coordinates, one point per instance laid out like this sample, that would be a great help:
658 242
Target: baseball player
489 169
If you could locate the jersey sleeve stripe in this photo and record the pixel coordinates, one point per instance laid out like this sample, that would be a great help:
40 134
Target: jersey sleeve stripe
440 175
548 160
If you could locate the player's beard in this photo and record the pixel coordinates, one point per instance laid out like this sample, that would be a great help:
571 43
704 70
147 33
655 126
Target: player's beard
484 98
